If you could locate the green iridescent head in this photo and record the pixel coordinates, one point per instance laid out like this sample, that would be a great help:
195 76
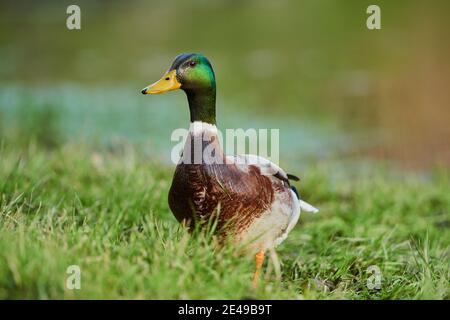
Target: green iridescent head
193 73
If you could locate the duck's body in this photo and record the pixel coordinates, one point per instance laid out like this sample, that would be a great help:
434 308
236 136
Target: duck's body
249 191
251 197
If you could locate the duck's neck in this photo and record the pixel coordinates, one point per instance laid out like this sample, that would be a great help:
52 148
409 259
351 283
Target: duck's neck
202 104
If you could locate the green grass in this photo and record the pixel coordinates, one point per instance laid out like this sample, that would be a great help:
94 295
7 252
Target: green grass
106 211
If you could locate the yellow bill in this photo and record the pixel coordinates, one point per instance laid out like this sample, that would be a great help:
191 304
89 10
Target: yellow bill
168 82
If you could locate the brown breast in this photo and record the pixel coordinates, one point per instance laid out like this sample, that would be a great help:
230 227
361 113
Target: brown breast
238 196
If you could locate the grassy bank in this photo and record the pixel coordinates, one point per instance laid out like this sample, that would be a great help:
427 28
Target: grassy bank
106 211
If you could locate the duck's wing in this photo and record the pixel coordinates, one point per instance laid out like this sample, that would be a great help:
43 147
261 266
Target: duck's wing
269 168
266 167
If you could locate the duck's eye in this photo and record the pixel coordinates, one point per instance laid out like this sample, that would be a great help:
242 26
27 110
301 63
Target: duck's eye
167 78
192 63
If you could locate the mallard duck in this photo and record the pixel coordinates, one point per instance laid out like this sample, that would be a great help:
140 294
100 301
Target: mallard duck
249 190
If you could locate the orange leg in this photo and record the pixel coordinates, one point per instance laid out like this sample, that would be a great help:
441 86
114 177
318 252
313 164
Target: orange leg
259 259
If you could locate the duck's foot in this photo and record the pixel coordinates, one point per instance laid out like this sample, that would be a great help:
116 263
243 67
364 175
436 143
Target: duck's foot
259 259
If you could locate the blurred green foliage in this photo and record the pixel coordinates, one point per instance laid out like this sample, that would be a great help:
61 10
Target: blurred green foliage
300 60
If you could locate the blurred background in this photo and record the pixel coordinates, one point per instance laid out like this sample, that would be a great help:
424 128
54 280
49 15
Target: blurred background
336 90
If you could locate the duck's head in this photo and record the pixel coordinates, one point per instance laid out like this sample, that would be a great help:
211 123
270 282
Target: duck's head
189 71
192 73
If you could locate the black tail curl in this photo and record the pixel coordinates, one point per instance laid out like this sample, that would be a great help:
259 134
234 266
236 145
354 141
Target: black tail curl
292 177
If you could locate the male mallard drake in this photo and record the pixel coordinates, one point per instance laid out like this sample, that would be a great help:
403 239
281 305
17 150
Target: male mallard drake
249 190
